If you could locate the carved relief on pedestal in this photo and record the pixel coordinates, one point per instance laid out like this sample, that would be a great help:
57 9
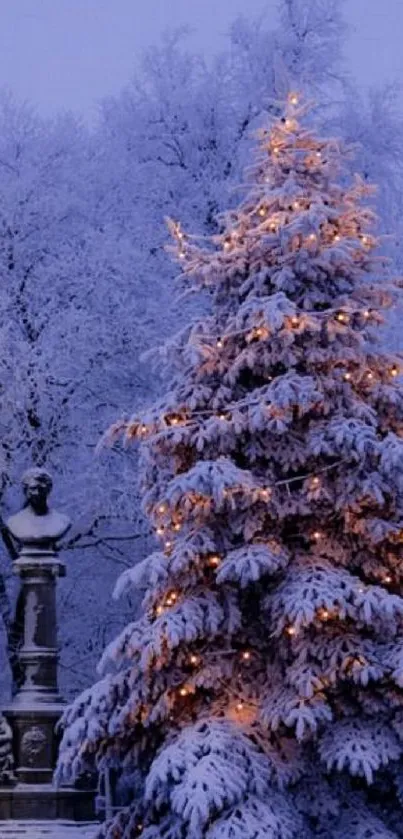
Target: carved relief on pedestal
33 746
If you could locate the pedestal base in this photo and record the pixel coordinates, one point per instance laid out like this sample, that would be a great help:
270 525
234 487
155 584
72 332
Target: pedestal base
44 802
35 742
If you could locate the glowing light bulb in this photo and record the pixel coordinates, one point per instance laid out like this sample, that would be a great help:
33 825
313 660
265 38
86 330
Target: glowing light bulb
276 150
162 508
182 254
366 314
194 659
262 211
295 321
316 535
143 429
174 420
219 343
214 561
265 494
293 99
318 154
370 375
387 579
246 655
177 526
315 481
347 377
342 317
296 205
394 371
227 244
324 614
159 610
273 228
365 240
240 706
168 545
222 417
160 531
288 123
291 631
183 691
337 238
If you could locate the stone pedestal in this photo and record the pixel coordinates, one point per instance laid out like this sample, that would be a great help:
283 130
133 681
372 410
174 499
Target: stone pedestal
37 706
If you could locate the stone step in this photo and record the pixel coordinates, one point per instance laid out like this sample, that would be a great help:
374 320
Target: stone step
47 830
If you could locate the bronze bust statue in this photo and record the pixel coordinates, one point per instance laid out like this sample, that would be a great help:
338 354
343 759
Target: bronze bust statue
36 523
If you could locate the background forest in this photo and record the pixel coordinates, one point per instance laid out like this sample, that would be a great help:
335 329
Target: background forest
87 285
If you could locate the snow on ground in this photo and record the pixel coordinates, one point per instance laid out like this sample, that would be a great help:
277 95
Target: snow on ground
47 830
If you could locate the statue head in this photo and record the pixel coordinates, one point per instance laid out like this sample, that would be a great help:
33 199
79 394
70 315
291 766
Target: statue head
37 484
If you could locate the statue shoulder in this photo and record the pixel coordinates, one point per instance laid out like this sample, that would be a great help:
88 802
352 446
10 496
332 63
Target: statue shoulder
27 526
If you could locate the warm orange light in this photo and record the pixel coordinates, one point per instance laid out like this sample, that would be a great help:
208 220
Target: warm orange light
194 659
214 561
246 655
162 508
293 99
265 494
183 692
291 630
347 377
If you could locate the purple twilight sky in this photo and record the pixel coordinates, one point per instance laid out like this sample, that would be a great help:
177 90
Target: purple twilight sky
69 53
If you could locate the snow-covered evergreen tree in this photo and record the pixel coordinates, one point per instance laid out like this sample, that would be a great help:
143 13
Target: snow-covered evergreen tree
259 696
